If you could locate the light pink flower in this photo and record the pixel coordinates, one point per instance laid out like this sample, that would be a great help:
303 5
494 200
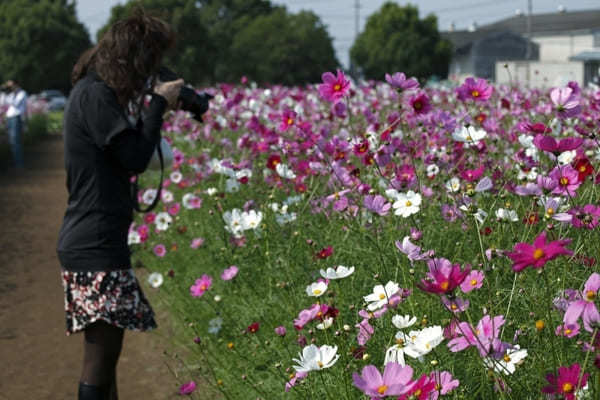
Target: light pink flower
473 281
160 250
229 273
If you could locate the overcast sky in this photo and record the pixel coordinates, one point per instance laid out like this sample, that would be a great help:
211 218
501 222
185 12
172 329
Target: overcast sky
339 15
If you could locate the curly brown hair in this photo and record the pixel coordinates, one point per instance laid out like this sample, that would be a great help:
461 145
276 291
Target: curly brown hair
128 54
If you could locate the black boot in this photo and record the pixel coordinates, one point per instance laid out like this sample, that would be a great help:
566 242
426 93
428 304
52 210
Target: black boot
92 392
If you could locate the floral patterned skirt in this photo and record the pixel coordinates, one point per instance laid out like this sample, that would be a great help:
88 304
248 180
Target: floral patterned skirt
111 296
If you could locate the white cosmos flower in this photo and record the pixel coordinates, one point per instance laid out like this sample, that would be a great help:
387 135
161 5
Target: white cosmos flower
251 219
191 201
480 215
468 135
327 322
507 215
453 185
381 295
419 343
134 238
176 176
149 196
284 171
233 222
338 273
393 194
315 358
285 218
507 364
232 185
316 289
432 170
155 279
395 354
407 204
530 175
243 173
167 196
402 322
566 157
211 191
162 221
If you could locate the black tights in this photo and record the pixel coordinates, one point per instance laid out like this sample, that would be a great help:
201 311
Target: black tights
102 348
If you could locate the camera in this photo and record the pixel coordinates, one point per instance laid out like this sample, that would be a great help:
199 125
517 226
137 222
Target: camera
195 103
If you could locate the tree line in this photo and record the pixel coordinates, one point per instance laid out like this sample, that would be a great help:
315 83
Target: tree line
222 41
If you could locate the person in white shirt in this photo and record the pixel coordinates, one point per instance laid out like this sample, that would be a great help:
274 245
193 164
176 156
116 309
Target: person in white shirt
16 100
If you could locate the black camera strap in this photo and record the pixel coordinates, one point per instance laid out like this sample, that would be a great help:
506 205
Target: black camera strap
135 186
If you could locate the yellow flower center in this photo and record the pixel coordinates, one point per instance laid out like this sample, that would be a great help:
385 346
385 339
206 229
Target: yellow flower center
564 181
550 211
567 387
418 105
473 282
292 375
408 203
453 306
400 342
469 138
316 292
337 87
590 295
418 392
320 364
568 331
382 389
203 287
538 253
582 168
506 358
381 296
444 285
290 121
539 324
475 93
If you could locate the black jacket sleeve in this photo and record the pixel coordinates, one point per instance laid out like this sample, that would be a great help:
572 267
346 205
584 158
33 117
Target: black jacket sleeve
134 147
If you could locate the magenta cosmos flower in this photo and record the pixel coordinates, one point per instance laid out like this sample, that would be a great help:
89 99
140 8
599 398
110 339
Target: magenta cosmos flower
334 87
445 383
484 337
585 307
551 145
396 380
200 286
187 388
565 102
537 254
566 383
160 250
443 276
288 118
420 103
475 89
567 180
399 81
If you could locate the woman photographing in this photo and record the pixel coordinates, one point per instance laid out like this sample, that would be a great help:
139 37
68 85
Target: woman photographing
111 129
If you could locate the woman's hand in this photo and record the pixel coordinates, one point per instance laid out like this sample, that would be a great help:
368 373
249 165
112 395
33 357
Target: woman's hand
169 90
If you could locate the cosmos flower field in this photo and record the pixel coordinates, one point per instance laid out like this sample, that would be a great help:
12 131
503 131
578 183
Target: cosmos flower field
381 240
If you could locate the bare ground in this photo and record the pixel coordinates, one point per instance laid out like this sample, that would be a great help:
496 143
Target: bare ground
38 361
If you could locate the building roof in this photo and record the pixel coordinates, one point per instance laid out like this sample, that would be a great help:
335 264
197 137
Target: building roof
586 56
541 24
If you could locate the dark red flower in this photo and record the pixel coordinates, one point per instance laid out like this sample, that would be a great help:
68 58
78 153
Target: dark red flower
324 253
273 160
253 327
584 168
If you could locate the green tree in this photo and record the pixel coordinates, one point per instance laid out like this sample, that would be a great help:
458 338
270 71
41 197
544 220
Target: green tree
40 42
395 39
282 48
191 56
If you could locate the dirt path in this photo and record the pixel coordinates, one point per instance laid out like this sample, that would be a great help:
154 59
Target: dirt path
37 360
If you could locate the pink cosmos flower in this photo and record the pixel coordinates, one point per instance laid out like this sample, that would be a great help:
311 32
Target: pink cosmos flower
160 250
412 251
477 90
455 305
197 242
399 81
422 389
567 330
585 217
566 383
473 281
280 331
200 286
420 103
187 388
173 209
538 254
365 331
149 217
396 380
307 315
565 102
229 273
484 337
288 119
445 383
377 204
549 144
443 276
334 87
297 377
585 307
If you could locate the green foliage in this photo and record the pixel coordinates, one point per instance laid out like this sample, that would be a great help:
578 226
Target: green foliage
40 41
395 39
299 53
189 57
223 40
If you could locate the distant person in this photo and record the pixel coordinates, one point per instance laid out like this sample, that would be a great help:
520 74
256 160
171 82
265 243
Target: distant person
104 148
16 114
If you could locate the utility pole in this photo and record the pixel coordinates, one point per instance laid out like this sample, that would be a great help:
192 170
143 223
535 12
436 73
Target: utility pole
528 51
353 70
